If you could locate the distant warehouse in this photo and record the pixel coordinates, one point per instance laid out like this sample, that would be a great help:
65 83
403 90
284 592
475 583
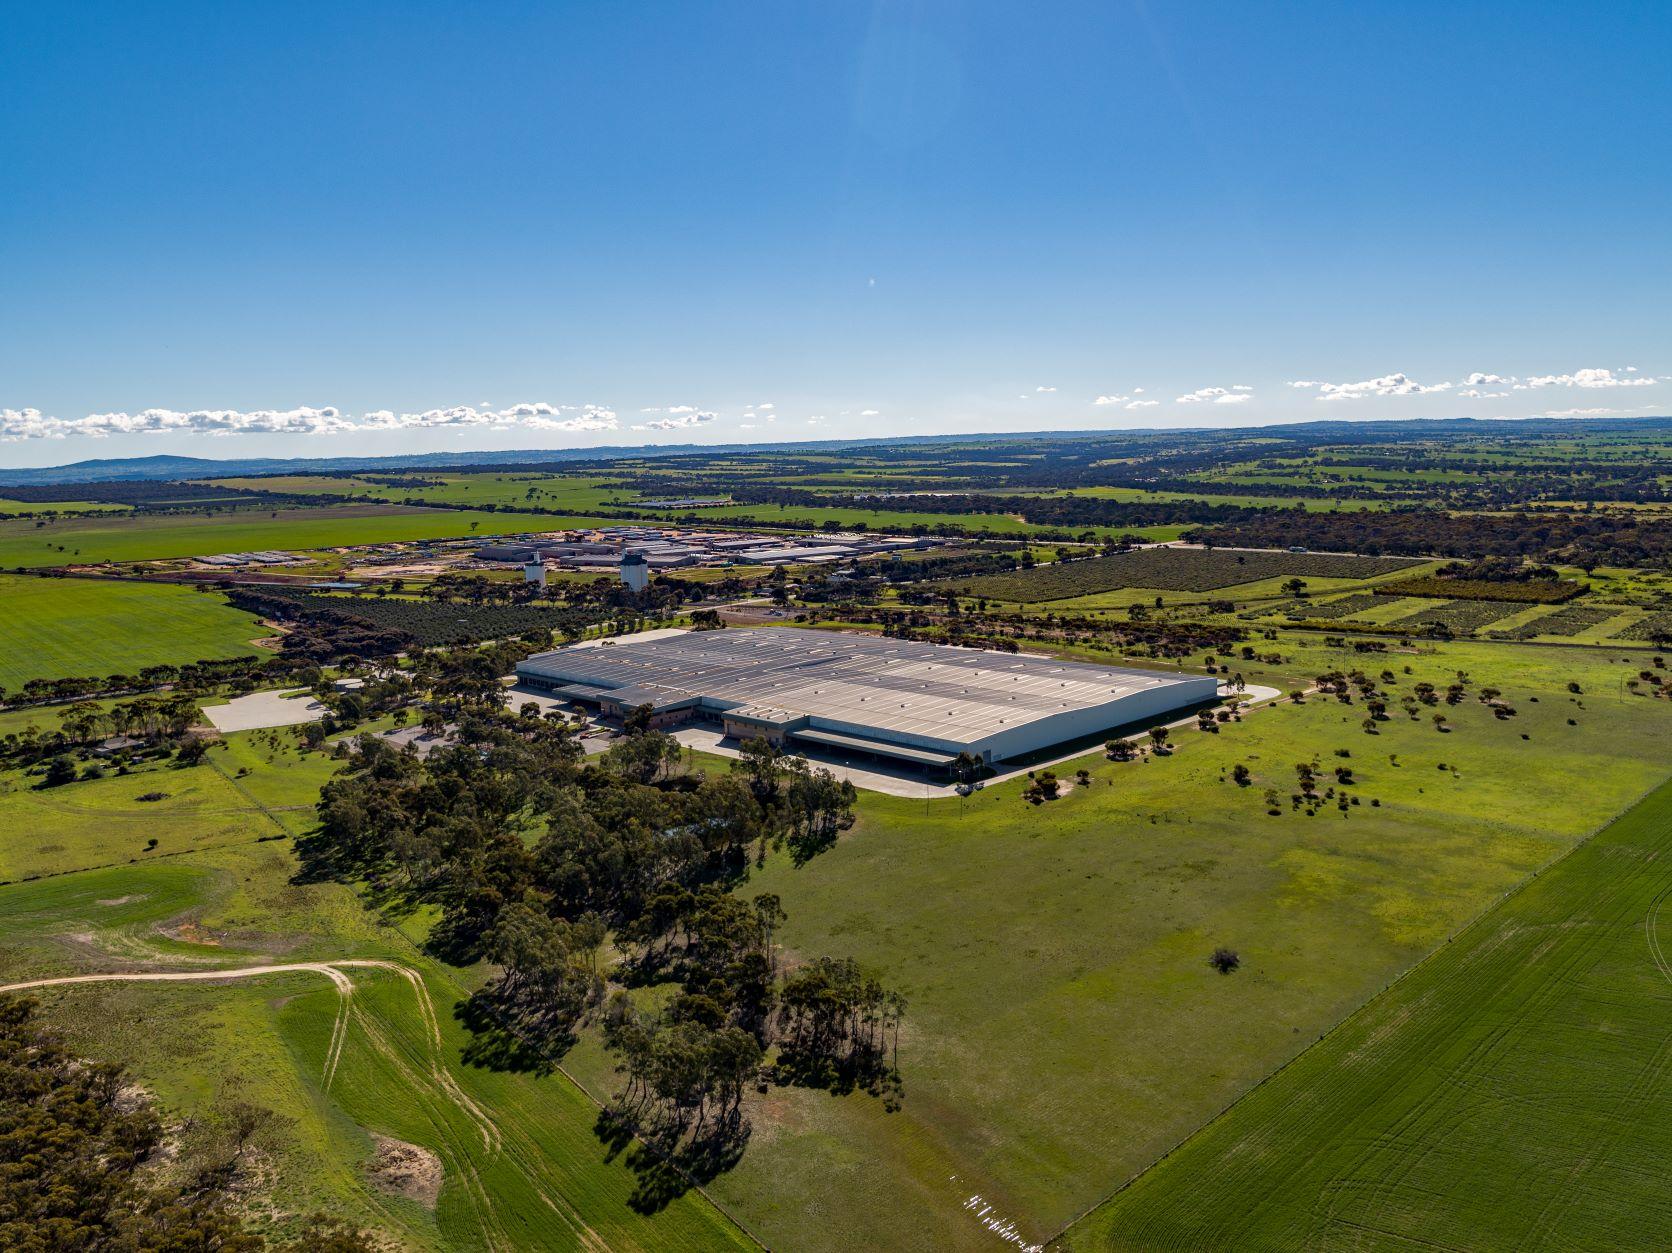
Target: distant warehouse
909 702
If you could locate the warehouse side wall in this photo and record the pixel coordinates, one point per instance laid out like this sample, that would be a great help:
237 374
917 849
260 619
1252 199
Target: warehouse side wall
1157 705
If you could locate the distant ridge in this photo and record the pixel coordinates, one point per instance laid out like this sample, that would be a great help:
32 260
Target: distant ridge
119 469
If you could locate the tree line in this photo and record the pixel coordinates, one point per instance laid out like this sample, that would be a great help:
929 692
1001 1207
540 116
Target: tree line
584 882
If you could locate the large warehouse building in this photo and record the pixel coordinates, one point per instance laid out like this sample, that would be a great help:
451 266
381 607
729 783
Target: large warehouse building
899 700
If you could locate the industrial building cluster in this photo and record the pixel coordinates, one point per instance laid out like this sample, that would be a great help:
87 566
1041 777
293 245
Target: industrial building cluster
236 560
902 702
663 549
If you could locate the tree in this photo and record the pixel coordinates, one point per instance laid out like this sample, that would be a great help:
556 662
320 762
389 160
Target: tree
648 757
1224 960
762 764
60 770
820 806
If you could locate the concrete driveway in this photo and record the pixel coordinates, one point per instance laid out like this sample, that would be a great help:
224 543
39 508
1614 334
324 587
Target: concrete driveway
260 710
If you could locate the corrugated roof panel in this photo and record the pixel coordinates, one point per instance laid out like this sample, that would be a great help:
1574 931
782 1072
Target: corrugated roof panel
902 686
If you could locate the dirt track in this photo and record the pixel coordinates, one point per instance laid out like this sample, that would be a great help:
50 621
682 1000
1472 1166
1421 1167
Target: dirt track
440 1080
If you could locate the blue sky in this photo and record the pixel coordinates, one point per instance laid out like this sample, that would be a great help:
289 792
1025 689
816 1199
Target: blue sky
310 228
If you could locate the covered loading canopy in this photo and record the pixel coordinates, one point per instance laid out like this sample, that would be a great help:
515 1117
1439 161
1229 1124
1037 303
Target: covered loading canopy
878 748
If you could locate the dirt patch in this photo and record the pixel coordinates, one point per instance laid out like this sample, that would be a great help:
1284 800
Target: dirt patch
121 900
408 1170
190 933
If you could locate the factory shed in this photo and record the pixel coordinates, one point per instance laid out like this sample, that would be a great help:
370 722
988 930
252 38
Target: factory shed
903 699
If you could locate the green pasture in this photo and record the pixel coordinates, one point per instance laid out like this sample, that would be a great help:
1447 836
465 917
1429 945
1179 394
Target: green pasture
1065 1029
11 506
56 628
73 541
568 492
522 1166
813 518
1510 1093
95 822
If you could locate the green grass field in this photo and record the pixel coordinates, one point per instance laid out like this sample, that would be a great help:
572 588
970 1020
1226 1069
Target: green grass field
522 1166
1064 1027
55 628
11 506
903 520
577 493
126 538
1512 1092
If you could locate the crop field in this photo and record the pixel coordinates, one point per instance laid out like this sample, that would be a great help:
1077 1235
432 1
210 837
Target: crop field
1461 615
433 623
1213 496
1531 592
1511 1092
566 492
1174 570
520 1166
56 628
813 517
9 506
1345 607
1569 620
1065 1028
1654 627
125 537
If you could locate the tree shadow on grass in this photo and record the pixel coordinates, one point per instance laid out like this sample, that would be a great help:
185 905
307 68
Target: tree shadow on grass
493 1045
663 1175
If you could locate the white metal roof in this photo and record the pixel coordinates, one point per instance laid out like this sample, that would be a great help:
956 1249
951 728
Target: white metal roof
902 686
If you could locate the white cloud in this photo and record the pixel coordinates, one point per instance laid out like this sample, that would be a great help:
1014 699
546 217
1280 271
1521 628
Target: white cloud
870 413
1594 377
1399 384
1044 389
766 406
815 419
1111 400
25 424
1143 404
1474 393
687 417
1580 413
1137 391
1477 379
1218 395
